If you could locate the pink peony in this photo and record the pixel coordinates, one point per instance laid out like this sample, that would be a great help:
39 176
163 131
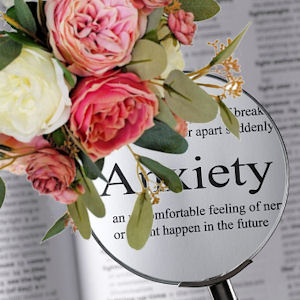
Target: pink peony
111 112
181 126
151 4
52 173
66 196
182 25
93 36
19 148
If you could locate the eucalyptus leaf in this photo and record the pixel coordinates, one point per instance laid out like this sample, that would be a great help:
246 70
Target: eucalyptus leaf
100 163
25 16
140 223
24 39
80 217
162 138
154 19
2 191
90 168
165 115
58 137
9 51
152 36
149 60
12 13
229 119
187 100
228 51
202 9
67 74
169 177
57 228
91 198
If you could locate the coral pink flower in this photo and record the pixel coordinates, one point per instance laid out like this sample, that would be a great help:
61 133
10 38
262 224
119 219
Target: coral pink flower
19 148
182 25
181 126
51 173
151 4
111 112
66 196
92 36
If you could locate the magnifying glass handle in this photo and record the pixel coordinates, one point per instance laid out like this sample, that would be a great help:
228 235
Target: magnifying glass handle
222 291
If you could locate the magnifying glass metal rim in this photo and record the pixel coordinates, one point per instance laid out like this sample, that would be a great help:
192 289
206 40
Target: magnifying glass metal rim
221 277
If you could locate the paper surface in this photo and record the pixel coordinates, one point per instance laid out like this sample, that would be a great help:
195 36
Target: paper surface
269 55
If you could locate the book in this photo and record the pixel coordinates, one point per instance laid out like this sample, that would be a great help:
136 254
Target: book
69 268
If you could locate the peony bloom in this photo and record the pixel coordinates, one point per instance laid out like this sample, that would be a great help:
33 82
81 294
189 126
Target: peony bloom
182 25
174 61
66 196
34 98
111 112
52 173
93 36
151 4
174 56
20 165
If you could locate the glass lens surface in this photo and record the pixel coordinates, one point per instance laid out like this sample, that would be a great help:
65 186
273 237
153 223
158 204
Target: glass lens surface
234 194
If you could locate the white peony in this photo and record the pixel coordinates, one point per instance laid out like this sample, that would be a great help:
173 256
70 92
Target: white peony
174 61
174 56
34 98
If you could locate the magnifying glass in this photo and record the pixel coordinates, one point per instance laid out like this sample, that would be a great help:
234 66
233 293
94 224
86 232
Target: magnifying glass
234 194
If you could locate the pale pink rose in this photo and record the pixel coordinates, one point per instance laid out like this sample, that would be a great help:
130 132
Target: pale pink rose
111 112
150 4
182 25
66 196
92 36
19 148
51 173
181 126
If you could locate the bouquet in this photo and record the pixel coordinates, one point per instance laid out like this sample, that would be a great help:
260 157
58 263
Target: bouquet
82 78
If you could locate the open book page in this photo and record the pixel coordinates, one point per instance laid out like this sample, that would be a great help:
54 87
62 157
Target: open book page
269 55
29 270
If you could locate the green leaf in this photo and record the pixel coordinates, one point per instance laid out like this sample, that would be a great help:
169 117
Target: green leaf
67 74
2 191
187 100
202 9
12 13
228 51
167 175
229 119
57 228
91 198
25 16
165 115
154 19
140 223
100 163
90 168
79 214
152 36
9 51
149 60
162 138
24 39
58 137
